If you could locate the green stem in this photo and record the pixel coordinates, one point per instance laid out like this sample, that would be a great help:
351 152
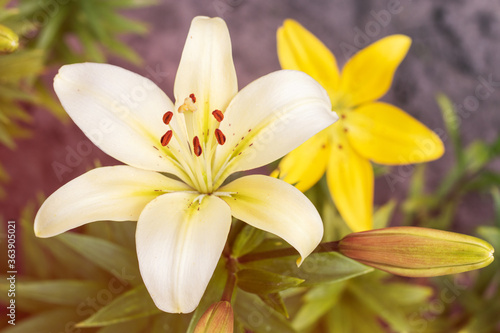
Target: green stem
232 268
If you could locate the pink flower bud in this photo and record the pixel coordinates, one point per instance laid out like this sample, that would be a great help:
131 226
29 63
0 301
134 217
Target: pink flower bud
417 252
218 318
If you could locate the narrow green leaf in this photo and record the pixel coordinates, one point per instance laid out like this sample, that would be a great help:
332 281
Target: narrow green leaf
349 315
131 3
69 263
111 257
38 264
247 240
275 301
46 99
452 123
383 215
120 24
133 304
50 32
58 320
256 316
404 294
21 64
60 292
495 193
93 51
263 282
121 49
491 235
392 313
317 302
169 322
477 155
139 325
317 268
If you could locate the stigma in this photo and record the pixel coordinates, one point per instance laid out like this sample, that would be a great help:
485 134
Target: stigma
188 105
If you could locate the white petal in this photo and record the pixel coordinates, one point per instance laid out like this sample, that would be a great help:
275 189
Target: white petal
272 205
119 111
179 242
206 68
117 193
272 116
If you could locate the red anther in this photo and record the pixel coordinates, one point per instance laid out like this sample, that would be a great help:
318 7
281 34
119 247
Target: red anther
221 138
193 98
167 117
218 115
165 139
197 146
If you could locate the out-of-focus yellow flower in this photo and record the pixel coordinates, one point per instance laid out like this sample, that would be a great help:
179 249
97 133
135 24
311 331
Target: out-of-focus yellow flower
9 41
218 318
367 129
417 252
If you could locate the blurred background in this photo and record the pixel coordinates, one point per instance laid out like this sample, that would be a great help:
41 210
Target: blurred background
455 48
450 81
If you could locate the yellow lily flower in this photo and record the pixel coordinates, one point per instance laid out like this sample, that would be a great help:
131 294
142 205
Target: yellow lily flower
367 129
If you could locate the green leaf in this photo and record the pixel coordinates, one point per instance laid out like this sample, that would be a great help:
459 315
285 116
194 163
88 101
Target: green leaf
349 315
317 268
247 240
61 292
491 235
121 49
68 263
477 155
404 294
52 29
255 315
417 183
263 282
133 304
20 65
386 308
452 123
110 257
383 214
317 302
131 3
132 326
58 320
275 301
121 24
46 99
37 262
168 322
495 193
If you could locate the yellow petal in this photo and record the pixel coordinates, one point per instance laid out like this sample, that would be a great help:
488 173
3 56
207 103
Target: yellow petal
350 180
300 50
304 166
368 74
387 135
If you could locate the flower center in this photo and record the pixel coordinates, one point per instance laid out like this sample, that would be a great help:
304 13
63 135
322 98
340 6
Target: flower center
197 135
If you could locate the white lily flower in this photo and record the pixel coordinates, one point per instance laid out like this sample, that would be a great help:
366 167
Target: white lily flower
179 156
